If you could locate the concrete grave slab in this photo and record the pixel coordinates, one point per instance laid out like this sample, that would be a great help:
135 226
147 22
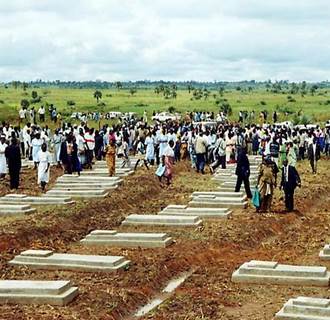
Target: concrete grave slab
131 239
201 212
325 253
162 220
77 193
304 308
8 209
274 273
218 194
83 187
45 259
218 202
34 200
58 293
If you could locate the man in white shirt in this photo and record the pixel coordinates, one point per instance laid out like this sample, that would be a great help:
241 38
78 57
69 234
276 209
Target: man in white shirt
22 114
42 112
90 142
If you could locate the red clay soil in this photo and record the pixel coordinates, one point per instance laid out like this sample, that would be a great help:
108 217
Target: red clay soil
28 181
215 251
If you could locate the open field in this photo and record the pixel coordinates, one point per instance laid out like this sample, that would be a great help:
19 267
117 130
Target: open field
315 107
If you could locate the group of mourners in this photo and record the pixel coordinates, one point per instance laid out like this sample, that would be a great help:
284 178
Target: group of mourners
77 146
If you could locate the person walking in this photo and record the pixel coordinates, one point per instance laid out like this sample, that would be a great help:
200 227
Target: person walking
141 153
243 172
291 154
3 162
200 149
220 154
43 167
13 155
314 154
110 157
290 180
267 183
168 161
36 147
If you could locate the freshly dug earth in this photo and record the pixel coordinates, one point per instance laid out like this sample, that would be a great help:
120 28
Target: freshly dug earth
28 181
214 251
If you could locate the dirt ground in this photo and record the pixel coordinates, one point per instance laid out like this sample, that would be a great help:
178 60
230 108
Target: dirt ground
214 251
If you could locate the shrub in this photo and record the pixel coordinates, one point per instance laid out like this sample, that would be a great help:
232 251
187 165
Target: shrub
2 102
71 103
25 103
35 100
171 109
101 104
263 103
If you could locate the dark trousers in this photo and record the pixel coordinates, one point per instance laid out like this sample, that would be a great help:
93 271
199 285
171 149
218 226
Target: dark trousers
89 157
14 178
302 153
200 162
246 181
313 165
289 199
220 161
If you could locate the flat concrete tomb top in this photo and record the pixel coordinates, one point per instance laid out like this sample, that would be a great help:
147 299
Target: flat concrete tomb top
197 211
156 218
128 239
305 308
325 253
47 258
129 235
57 293
273 268
33 287
272 272
15 195
163 220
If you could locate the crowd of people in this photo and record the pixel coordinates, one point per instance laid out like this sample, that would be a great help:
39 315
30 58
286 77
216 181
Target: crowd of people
76 146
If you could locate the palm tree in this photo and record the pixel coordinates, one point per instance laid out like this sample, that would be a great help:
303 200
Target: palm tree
97 95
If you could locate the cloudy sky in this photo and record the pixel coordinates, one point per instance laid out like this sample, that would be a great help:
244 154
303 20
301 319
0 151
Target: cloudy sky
165 39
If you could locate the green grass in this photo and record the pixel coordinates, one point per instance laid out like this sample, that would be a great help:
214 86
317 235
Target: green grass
315 107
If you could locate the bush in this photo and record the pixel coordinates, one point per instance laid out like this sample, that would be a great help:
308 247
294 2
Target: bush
108 95
101 104
36 100
171 109
226 108
25 103
263 103
2 102
304 120
71 103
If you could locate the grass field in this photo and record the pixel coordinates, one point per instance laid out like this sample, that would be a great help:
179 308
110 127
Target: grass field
315 108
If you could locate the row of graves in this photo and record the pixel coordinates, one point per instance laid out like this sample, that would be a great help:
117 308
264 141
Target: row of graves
216 204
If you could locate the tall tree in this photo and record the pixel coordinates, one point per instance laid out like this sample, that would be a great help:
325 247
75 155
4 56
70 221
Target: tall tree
34 94
98 95
118 85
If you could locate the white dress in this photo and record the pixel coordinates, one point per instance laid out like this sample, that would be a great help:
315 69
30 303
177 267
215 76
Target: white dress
36 146
150 152
3 163
44 159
